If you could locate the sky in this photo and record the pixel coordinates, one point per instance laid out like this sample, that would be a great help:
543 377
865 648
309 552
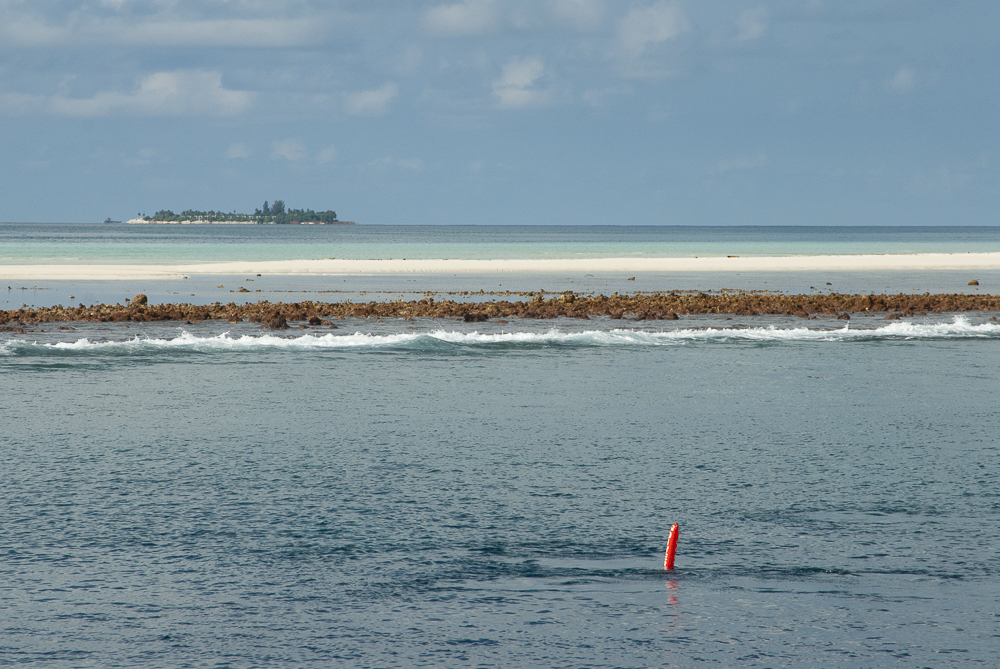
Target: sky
596 112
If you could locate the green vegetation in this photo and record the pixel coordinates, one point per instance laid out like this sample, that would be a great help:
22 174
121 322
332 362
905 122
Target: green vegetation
269 214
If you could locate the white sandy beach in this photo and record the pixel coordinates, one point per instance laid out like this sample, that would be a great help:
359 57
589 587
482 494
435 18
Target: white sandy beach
344 267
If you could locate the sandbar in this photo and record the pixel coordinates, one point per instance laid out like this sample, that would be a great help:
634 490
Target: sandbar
353 267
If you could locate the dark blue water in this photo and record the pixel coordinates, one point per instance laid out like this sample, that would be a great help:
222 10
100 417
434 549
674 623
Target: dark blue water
434 497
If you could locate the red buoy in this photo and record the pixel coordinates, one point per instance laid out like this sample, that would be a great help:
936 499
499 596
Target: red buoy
668 559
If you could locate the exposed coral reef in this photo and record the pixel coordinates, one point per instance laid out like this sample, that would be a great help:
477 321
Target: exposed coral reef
654 306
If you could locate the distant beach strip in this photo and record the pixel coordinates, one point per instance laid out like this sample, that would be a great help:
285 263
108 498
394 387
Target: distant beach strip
349 267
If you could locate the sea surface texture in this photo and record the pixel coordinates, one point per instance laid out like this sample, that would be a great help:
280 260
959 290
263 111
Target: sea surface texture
437 493
24 243
433 493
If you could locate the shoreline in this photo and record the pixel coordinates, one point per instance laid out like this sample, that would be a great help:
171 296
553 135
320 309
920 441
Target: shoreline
532 305
350 267
201 221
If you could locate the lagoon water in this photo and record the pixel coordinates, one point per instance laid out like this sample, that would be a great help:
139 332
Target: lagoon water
55 243
434 493
29 243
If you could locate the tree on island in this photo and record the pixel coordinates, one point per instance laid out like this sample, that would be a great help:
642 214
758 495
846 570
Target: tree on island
270 213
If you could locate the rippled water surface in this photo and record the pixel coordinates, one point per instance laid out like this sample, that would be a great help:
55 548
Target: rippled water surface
500 494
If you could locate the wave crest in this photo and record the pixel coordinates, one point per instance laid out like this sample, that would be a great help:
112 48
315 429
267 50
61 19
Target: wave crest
959 328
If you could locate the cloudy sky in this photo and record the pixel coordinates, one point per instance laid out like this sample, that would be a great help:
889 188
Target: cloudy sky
673 112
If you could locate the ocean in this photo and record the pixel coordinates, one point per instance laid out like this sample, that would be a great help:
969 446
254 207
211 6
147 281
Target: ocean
438 493
30 243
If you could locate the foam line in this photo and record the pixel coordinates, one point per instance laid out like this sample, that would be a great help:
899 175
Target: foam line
959 328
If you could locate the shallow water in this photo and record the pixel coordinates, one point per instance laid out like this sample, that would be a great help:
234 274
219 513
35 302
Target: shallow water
499 494
35 243
408 287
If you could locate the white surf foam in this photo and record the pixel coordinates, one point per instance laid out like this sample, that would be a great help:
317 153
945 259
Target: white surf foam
960 327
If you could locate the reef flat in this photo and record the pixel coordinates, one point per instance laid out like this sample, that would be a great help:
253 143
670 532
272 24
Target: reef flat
530 305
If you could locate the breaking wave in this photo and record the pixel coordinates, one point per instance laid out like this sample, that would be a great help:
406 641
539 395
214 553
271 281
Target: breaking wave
443 340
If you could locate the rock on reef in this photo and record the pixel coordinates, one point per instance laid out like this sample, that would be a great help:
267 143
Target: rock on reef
276 322
666 305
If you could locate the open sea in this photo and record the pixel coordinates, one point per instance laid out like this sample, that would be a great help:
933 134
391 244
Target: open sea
448 494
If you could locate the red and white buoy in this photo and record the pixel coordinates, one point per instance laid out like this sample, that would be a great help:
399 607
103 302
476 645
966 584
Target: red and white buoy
668 559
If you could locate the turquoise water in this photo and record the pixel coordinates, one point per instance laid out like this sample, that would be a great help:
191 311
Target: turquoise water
63 243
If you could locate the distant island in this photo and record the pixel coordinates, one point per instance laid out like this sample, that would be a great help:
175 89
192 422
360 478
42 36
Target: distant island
269 214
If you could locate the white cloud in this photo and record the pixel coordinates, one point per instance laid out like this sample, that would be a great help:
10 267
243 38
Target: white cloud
326 155
578 14
904 81
644 27
368 103
514 89
478 17
19 103
409 61
238 150
521 73
471 17
28 31
289 149
741 163
751 24
179 93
